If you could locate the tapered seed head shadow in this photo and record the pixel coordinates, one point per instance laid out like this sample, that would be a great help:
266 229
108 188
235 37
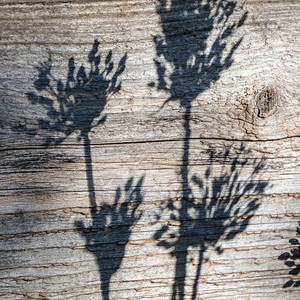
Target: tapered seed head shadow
290 260
110 231
194 50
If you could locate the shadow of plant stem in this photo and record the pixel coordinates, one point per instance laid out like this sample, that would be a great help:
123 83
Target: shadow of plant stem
109 233
215 217
75 106
289 259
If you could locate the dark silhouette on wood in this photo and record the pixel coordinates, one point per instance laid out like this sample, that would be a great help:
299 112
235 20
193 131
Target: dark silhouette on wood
189 60
290 259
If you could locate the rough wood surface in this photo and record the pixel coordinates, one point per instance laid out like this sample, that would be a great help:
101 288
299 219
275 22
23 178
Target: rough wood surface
172 173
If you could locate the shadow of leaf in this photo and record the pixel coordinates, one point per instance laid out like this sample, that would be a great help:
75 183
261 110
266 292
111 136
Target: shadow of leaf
290 259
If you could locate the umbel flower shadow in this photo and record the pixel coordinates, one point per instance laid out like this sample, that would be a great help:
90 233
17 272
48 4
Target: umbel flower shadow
190 56
215 217
109 233
290 259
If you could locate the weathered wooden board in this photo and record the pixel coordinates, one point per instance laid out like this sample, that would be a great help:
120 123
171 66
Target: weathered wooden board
163 175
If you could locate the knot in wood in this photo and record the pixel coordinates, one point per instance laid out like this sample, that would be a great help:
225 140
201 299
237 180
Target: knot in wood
266 101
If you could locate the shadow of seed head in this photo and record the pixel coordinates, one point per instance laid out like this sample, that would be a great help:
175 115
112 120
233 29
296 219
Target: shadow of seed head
267 101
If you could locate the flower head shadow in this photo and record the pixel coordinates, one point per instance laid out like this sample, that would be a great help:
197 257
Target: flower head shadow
76 105
190 58
111 229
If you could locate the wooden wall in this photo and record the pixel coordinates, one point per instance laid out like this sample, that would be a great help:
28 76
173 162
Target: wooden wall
149 149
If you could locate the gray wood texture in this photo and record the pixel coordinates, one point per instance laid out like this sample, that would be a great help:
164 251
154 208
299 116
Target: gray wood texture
149 149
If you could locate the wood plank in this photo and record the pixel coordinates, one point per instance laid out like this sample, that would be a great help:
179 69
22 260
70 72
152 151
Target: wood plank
173 175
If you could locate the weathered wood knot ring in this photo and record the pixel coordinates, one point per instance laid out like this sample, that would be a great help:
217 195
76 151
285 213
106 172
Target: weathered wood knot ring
267 101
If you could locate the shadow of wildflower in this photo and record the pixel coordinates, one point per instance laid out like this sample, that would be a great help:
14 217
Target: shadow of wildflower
76 105
215 217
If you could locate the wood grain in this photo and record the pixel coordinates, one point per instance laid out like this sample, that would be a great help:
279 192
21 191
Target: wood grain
53 246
